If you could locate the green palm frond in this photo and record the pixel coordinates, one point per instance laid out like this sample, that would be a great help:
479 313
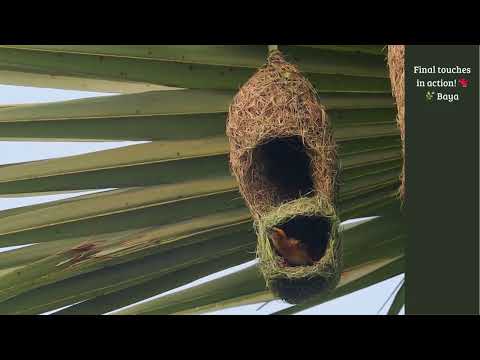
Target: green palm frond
175 214
398 301
363 267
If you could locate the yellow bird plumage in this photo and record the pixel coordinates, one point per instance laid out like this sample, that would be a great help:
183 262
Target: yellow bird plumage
291 249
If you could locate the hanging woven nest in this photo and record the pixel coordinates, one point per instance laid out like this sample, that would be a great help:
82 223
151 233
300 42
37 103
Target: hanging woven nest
396 65
283 155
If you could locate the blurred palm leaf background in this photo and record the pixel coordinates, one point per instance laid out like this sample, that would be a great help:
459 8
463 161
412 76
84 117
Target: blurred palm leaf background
174 214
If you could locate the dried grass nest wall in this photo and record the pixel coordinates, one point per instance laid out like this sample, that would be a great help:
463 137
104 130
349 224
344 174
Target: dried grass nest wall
396 65
283 154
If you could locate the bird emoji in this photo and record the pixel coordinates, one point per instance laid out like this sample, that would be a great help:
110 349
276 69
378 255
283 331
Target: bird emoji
292 250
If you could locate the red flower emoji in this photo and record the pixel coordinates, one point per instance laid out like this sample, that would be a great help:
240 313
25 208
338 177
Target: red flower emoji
463 82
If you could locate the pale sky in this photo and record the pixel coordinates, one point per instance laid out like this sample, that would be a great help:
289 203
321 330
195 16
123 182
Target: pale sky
366 301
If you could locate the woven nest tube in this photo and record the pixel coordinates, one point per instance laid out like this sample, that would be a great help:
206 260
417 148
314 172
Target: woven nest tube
283 155
396 65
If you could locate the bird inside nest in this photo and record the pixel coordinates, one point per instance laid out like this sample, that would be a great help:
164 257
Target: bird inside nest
302 240
293 251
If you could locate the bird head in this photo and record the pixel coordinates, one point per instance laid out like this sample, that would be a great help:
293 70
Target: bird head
291 249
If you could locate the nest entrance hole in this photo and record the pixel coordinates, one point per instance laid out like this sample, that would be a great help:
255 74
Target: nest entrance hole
284 165
313 231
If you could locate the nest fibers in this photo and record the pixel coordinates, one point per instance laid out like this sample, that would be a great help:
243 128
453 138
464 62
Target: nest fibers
283 155
396 65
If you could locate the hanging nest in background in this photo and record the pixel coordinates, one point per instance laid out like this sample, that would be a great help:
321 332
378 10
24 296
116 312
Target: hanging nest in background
283 154
396 65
